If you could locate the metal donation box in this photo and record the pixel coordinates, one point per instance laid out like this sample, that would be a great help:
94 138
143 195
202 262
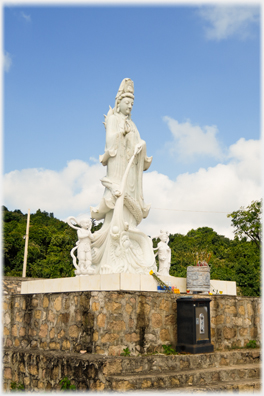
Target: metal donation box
193 325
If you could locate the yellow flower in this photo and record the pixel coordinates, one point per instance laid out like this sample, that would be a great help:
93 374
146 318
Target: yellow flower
151 272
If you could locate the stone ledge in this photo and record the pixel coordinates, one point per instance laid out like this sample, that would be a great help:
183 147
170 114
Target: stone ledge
42 371
113 282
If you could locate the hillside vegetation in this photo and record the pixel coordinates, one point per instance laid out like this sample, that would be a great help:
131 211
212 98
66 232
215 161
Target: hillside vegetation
51 240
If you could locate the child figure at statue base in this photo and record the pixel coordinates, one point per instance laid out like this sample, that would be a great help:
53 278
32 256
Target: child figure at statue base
164 254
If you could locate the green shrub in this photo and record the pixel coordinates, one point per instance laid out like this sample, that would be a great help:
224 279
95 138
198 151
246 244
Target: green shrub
126 352
168 350
15 387
252 344
66 384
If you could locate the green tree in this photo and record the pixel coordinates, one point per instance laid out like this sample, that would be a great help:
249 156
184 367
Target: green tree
51 240
50 243
247 222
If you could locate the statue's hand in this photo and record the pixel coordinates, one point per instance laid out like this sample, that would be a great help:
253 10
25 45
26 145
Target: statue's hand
117 193
138 148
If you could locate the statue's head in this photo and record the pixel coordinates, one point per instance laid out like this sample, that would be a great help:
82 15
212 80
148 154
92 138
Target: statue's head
125 97
85 222
164 236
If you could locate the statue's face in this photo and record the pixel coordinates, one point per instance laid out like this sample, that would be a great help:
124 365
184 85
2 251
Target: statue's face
85 224
126 105
163 237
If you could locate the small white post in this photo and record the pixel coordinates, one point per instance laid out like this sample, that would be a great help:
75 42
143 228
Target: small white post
26 246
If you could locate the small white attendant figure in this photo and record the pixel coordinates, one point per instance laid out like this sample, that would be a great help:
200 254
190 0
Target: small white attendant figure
164 253
83 245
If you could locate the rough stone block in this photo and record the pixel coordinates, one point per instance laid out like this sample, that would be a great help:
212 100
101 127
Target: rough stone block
51 316
57 303
61 334
74 331
54 345
113 367
37 314
95 306
241 310
6 331
129 309
165 335
8 373
156 320
229 332
243 332
14 331
108 337
66 345
32 369
170 320
45 302
95 336
22 331
43 330
165 305
220 319
231 310
113 306
117 325
101 318
52 333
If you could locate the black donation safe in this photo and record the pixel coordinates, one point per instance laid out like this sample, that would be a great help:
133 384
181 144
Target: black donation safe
193 325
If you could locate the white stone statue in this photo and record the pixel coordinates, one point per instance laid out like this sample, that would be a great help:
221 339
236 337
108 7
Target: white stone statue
83 245
164 253
119 246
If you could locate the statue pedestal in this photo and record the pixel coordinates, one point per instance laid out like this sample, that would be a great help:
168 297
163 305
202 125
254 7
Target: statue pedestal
104 282
113 282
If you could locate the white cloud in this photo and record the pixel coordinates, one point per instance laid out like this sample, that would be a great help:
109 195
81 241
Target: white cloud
93 159
225 21
26 17
191 141
177 205
65 193
7 61
223 188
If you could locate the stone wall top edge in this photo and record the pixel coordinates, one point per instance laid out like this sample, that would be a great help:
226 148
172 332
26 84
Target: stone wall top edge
19 278
95 356
92 293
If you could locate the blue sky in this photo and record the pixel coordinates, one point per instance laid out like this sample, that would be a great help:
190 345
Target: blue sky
196 71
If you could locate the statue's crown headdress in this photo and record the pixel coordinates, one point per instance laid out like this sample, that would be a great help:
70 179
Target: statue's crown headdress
126 89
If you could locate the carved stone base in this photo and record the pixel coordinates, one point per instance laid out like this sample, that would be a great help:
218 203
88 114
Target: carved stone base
198 279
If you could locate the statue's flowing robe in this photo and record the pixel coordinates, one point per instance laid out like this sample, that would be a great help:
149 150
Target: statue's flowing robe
122 214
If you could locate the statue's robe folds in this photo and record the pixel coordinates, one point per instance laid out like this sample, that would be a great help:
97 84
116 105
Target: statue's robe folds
119 246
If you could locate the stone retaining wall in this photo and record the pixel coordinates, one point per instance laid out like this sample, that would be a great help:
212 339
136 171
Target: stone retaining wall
107 322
